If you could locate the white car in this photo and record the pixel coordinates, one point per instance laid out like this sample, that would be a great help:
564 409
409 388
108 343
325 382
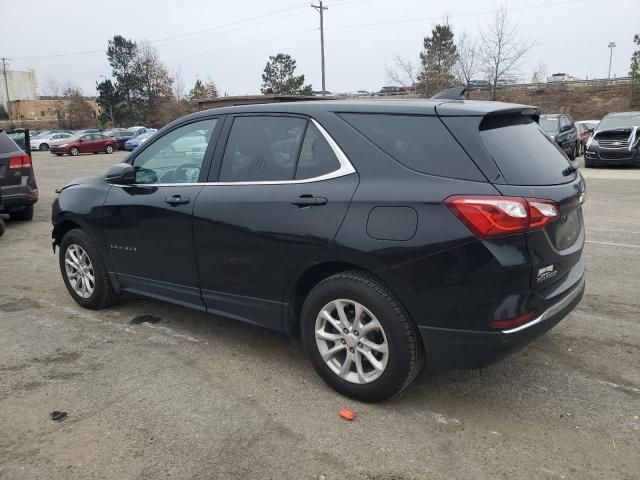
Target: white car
42 143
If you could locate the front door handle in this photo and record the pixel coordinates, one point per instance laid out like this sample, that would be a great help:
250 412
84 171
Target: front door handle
308 201
178 199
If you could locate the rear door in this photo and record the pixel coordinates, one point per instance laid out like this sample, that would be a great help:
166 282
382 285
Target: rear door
531 165
277 198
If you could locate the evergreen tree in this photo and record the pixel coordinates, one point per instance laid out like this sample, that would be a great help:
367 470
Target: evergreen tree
438 58
634 73
279 77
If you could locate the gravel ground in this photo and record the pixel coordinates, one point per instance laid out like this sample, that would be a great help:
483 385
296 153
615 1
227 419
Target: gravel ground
155 390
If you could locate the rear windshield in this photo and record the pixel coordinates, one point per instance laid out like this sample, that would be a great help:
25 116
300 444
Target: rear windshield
421 143
523 152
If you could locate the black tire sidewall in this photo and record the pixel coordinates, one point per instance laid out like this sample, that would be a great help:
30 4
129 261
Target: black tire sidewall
398 367
78 237
24 215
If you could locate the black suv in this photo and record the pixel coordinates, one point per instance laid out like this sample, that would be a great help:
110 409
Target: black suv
562 129
616 141
18 187
384 233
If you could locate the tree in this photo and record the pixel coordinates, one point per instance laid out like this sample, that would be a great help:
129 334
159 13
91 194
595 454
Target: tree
402 72
438 58
501 50
468 65
109 100
634 73
59 91
155 83
278 77
122 55
78 110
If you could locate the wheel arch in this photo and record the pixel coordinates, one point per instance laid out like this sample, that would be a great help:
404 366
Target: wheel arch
312 275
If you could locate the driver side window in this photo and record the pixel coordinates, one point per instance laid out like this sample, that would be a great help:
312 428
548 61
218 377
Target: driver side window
177 156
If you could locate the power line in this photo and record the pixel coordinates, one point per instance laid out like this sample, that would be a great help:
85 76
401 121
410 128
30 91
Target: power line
471 14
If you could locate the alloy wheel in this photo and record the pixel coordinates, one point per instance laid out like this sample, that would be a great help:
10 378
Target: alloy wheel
351 341
79 270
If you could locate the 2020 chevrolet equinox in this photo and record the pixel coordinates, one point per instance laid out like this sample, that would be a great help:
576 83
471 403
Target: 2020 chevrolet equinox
387 234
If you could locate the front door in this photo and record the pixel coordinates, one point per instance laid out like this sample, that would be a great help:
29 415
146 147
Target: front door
149 226
279 199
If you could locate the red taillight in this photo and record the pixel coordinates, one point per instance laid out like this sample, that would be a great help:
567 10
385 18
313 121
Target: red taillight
489 216
20 161
512 322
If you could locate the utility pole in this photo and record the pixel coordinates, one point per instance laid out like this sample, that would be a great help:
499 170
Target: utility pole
6 84
612 45
320 8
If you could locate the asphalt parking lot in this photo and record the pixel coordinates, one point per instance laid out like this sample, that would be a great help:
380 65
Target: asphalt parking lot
181 394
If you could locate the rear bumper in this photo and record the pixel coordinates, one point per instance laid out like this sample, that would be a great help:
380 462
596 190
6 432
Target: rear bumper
447 348
17 197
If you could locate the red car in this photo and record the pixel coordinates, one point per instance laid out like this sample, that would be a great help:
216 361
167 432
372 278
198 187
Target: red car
84 143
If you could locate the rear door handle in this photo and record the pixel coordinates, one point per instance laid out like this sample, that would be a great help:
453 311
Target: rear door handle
309 201
178 199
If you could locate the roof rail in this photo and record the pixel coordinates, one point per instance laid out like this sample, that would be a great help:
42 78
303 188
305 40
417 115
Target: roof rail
454 93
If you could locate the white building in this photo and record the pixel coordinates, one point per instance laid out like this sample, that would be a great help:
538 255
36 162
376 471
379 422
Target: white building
22 85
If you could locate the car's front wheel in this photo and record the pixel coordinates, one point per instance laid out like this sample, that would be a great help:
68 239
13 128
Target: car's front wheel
73 151
358 337
43 147
84 273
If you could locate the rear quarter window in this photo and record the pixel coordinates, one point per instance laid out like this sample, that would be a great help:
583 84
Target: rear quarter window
421 143
523 152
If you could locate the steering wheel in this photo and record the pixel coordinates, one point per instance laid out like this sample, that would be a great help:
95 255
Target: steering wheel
180 173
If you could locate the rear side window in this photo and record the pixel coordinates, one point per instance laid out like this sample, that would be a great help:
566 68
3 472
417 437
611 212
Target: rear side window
523 152
316 156
421 143
6 144
262 149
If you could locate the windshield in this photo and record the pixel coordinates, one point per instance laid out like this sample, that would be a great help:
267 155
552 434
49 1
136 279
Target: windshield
626 121
549 124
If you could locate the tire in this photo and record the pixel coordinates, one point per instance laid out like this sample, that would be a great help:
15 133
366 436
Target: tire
2 227
74 152
58 154
103 294
43 147
572 155
403 359
109 149
24 215
589 163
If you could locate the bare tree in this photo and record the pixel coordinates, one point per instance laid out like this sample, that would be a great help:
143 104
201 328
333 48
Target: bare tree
178 85
501 51
402 72
468 64
60 91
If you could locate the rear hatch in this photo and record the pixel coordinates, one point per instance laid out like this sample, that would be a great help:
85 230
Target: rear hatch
10 174
520 160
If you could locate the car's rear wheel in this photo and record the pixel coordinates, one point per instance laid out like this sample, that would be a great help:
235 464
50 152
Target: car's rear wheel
73 151
43 147
109 149
358 337
84 273
572 155
58 154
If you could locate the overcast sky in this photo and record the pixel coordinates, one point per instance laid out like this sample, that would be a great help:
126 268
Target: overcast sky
230 41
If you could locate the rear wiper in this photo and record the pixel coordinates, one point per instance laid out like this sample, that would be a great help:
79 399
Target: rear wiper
569 170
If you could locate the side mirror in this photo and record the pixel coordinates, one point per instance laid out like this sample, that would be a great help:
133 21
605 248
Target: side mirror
121 174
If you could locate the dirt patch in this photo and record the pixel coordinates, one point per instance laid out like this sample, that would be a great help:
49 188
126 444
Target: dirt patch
144 319
19 305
